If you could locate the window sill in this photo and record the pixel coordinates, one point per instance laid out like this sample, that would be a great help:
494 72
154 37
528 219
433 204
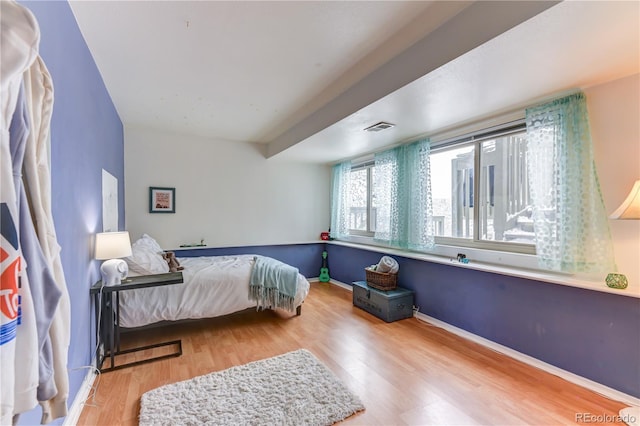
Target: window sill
223 246
588 283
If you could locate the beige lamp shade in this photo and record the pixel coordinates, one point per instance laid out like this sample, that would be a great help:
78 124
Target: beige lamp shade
630 208
112 245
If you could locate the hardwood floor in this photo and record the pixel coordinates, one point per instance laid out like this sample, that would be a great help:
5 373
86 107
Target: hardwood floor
406 373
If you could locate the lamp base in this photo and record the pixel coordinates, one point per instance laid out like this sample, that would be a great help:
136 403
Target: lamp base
114 271
617 281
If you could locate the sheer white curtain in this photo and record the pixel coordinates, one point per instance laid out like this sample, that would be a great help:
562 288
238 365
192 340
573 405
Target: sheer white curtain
340 198
572 230
402 190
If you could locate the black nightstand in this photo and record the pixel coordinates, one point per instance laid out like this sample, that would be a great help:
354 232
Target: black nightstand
108 318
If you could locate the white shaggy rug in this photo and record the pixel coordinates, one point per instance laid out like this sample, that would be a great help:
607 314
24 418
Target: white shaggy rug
290 389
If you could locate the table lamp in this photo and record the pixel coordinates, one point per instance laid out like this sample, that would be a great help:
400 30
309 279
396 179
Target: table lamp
630 207
111 247
628 210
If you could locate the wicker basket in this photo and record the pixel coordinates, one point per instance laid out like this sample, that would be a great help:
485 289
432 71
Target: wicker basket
381 280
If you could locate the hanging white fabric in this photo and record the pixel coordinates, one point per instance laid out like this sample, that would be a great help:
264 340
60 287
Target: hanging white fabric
19 38
37 176
35 330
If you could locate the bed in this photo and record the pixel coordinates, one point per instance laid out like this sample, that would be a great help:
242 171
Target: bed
213 286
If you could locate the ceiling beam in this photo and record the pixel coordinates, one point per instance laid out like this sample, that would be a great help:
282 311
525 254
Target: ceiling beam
472 27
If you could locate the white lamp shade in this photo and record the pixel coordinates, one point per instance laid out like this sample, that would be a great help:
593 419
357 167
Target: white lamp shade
111 245
630 207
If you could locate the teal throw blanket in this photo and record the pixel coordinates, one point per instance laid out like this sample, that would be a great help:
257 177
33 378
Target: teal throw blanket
273 284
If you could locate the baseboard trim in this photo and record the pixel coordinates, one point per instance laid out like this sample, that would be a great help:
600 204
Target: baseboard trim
564 374
341 284
73 415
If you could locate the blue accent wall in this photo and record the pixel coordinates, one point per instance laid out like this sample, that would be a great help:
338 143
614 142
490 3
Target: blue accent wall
86 136
306 257
592 334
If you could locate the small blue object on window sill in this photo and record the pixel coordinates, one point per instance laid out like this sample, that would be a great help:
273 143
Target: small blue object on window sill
617 281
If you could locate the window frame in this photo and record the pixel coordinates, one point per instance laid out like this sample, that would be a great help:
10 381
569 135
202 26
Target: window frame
368 166
474 138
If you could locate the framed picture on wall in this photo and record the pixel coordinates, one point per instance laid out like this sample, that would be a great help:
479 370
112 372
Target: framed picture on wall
162 200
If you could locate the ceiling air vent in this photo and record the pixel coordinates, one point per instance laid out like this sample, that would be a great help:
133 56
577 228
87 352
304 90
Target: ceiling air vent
379 126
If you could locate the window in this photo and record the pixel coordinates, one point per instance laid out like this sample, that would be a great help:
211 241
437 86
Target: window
452 191
362 208
505 205
480 192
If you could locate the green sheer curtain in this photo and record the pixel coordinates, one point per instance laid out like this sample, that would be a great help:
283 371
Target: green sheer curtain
402 193
340 199
570 221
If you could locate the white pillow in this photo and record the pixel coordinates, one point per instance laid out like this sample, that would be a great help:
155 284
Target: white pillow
150 243
146 257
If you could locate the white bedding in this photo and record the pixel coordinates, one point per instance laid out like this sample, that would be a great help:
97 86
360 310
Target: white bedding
213 286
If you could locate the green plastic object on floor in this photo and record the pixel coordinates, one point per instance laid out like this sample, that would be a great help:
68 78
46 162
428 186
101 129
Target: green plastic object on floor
324 270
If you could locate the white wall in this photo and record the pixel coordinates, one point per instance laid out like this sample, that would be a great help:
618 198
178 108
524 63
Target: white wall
614 111
226 192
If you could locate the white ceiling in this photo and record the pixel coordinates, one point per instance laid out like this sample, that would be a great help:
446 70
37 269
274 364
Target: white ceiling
304 78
